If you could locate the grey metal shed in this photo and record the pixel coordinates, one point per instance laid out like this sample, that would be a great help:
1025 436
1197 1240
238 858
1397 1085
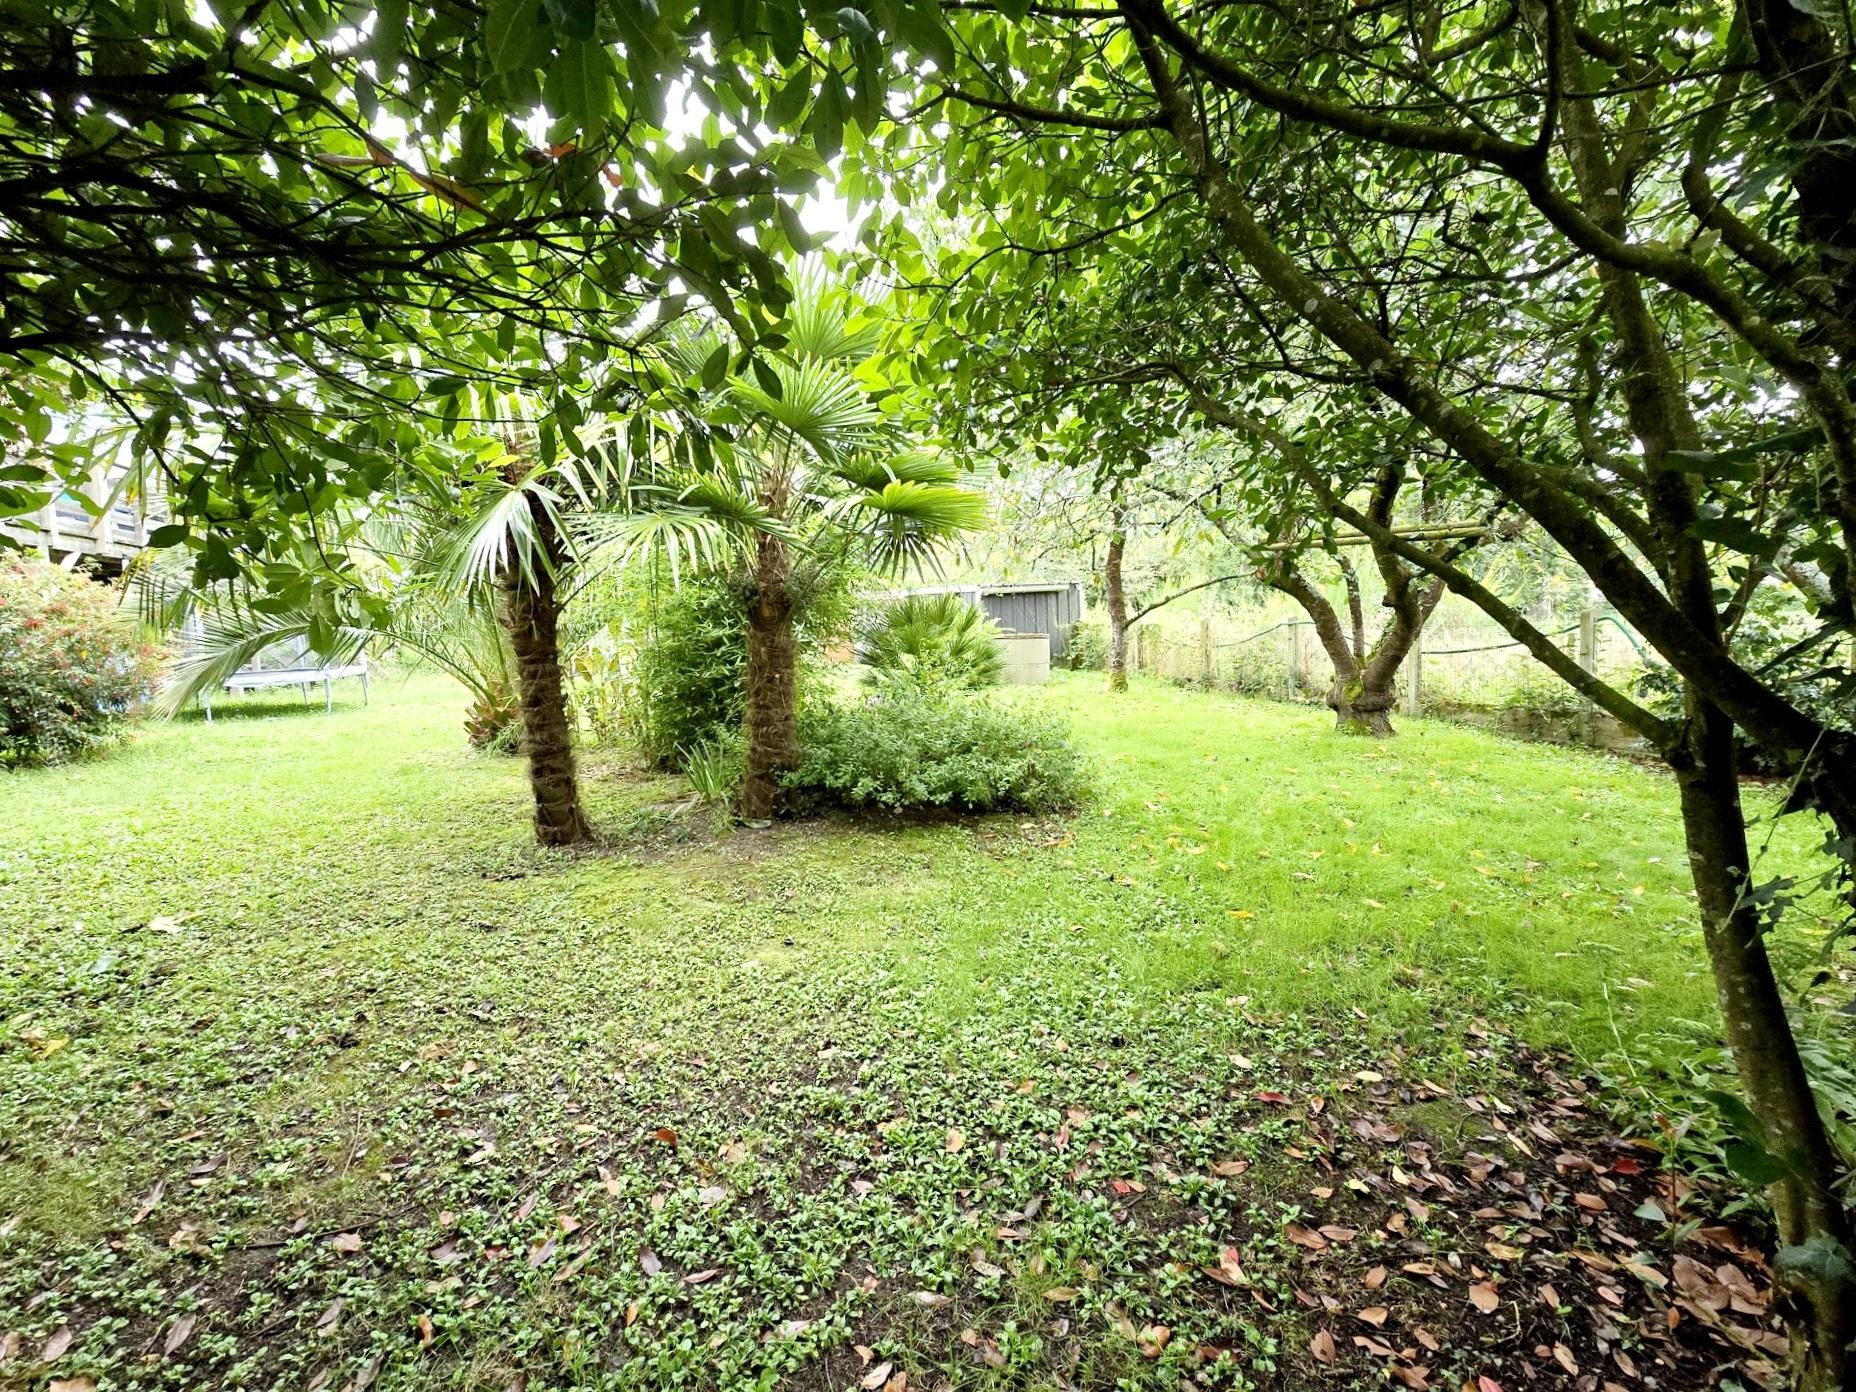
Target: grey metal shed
1047 608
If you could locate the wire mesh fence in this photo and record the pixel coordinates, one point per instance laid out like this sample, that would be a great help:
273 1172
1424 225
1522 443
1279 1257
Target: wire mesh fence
1463 668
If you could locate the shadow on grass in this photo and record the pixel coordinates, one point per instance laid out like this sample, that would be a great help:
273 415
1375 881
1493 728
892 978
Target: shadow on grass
268 708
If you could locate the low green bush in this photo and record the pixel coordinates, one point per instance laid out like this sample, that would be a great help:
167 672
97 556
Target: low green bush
663 667
935 640
716 767
73 664
686 672
910 749
1086 649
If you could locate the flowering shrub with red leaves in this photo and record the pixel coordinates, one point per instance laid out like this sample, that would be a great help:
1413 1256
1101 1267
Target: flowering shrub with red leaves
73 664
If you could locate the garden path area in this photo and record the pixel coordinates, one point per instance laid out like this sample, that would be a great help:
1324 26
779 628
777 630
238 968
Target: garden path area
1268 1068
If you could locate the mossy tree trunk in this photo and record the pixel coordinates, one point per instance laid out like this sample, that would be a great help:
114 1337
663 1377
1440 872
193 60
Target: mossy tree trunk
1365 686
1115 600
1675 609
1818 1297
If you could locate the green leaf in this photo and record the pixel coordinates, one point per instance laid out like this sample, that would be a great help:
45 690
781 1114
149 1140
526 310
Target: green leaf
170 534
919 24
715 367
1821 1260
578 85
796 235
825 122
1803 437
574 19
789 103
769 379
1742 536
509 33
1754 1163
389 34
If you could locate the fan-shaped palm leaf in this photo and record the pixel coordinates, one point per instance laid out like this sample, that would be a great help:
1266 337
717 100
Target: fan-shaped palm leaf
824 323
906 521
873 472
821 403
230 638
497 528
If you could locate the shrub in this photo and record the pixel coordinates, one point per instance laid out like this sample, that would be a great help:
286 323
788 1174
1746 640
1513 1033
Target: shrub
687 669
599 686
1086 650
664 666
934 641
716 767
909 748
73 665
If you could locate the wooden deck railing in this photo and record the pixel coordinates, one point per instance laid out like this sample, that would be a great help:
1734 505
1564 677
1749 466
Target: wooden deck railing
87 524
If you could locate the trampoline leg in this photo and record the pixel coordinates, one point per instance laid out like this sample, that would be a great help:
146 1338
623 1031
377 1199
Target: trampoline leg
328 696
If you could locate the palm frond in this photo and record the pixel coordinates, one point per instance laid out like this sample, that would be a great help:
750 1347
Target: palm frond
905 522
824 323
690 345
932 640
228 638
498 528
873 472
821 403
686 539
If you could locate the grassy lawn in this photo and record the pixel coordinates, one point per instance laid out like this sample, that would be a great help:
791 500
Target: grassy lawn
316 1074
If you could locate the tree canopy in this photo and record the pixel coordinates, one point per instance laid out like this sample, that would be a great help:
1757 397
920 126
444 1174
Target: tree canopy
259 251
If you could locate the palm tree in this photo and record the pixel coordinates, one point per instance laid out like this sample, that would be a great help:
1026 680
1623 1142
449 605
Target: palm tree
530 526
473 577
221 633
806 476
933 639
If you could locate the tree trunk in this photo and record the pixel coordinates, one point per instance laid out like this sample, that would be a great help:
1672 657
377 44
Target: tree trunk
532 615
1819 1301
772 684
1364 691
1115 599
1361 708
1799 54
1822 1298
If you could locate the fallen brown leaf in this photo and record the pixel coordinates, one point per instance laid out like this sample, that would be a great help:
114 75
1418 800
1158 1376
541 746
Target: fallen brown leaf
179 1334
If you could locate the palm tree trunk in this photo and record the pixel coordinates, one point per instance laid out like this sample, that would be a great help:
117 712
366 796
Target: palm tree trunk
772 684
532 615
1115 599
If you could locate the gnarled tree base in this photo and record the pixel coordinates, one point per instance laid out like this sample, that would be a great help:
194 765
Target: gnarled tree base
1375 724
1358 712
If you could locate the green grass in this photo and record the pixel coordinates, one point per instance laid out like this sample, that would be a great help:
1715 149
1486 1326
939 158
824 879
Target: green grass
308 974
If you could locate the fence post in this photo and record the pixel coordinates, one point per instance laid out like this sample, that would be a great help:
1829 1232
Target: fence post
1588 659
1295 660
1414 675
1205 653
